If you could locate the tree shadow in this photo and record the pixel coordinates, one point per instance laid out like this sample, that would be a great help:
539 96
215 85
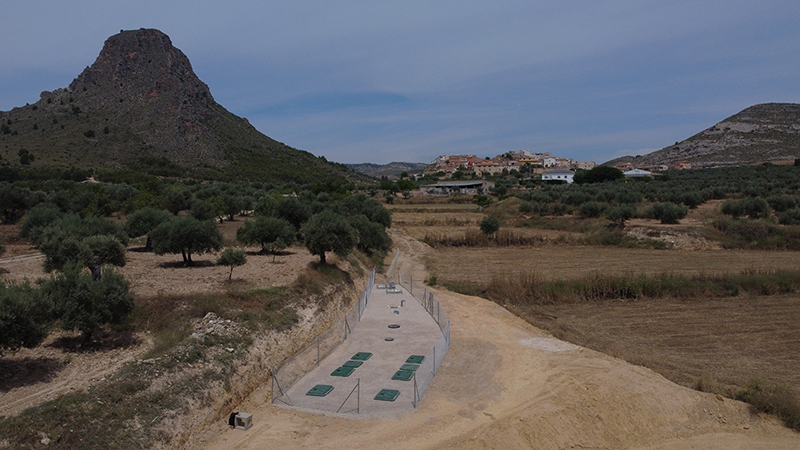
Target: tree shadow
139 250
16 373
102 340
182 265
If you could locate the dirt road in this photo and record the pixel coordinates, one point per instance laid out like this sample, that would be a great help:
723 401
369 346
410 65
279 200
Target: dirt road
505 384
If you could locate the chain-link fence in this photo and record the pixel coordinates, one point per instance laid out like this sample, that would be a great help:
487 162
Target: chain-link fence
424 375
295 367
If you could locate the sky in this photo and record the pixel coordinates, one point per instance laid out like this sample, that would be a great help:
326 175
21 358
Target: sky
380 81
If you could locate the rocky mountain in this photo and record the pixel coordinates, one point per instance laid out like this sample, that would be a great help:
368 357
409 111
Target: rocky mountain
141 99
391 170
760 133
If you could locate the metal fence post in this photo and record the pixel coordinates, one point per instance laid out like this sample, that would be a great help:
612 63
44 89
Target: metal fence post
434 359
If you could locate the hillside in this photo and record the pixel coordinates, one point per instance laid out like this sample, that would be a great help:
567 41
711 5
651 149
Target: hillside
391 170
760 133
139 99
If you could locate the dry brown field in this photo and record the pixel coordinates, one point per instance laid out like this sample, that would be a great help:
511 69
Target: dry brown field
729 341
479 265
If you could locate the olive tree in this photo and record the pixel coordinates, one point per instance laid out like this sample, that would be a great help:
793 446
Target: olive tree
272 233
25 317
329 232
186 235
232 257
85 304
143 221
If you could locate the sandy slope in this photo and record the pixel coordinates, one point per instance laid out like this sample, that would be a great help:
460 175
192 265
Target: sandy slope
505 384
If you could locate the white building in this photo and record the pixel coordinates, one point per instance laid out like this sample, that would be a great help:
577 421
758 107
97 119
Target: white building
558 175
637 173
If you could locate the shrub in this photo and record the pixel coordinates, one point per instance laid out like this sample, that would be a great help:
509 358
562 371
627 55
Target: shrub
667 213
489 225
790 216
591 209
782 203
778 400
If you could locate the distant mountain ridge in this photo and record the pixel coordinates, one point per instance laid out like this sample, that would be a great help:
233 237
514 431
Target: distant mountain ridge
391 170
760 133
141 98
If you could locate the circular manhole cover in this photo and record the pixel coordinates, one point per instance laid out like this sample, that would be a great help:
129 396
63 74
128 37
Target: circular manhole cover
394 325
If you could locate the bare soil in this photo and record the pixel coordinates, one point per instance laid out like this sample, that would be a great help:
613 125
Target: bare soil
728 341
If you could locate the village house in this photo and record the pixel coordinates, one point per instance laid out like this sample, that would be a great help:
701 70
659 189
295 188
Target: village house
559 175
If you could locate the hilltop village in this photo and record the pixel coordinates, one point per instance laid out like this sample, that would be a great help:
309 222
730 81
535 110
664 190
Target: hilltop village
535 163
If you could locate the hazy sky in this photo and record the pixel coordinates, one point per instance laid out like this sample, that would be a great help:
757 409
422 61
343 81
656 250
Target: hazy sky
378 81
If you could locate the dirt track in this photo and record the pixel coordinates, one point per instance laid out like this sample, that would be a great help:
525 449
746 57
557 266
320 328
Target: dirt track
505 384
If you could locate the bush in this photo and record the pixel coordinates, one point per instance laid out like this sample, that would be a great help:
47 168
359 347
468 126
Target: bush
489 225
591 209
782 203
790 216
778 400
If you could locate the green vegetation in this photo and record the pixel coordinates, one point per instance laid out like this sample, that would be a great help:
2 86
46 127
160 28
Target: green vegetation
84 302
25 317
271 233
232 257
186 235
329 232
489 225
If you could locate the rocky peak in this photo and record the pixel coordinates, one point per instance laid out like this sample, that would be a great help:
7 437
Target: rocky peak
142 62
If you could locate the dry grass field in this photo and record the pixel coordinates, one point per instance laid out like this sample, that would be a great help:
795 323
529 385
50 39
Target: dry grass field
722 342
479 265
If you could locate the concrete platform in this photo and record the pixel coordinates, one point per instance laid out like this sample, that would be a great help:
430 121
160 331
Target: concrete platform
417 335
